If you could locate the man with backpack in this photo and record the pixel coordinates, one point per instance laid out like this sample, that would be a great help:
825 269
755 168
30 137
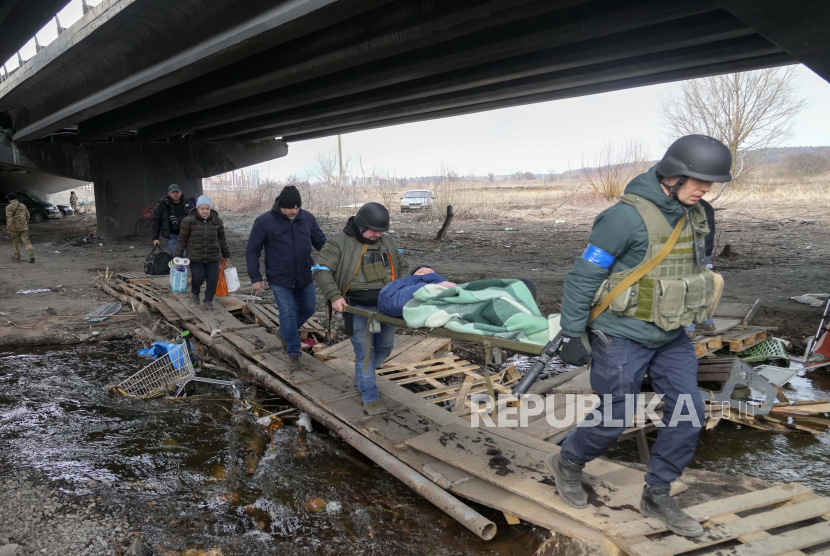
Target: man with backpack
167 217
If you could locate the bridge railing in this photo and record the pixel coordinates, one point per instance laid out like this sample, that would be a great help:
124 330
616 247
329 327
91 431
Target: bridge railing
34 46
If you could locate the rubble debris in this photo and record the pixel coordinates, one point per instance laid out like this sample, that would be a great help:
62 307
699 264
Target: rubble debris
813 299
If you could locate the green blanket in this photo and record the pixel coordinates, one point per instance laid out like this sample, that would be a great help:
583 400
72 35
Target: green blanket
499 308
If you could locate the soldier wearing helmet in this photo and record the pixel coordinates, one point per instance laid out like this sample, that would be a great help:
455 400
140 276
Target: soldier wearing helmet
642 330
351 269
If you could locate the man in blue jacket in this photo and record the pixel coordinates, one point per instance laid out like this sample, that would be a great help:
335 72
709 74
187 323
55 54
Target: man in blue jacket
287 233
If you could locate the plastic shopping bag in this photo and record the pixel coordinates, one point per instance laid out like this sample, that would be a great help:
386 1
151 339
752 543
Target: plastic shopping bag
231 277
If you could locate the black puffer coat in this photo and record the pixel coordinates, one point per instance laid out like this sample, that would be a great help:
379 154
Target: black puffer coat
204 238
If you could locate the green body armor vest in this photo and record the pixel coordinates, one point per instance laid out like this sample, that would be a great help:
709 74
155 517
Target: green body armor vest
677 292
375 268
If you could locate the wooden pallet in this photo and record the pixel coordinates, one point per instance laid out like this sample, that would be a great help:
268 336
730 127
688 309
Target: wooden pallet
742 337
706 345
735 526
148 293
268 316
134 277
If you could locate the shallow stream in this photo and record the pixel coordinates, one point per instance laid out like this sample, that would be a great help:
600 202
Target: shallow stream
199 472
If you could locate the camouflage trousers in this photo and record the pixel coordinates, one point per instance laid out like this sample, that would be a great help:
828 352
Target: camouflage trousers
18 237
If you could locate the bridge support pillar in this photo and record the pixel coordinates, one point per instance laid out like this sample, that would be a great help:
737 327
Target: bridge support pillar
130 177
124 200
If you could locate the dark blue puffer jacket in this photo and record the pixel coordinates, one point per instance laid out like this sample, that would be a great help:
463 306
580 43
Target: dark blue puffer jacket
287 246
394 295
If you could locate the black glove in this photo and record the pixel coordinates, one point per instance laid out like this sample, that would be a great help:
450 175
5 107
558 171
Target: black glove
573 352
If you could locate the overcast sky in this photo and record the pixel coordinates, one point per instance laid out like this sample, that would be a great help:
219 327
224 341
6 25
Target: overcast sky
533 138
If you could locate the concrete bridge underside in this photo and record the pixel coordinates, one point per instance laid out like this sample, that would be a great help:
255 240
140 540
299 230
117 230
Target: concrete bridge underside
227 72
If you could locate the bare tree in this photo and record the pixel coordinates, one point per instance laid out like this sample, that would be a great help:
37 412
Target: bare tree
325 167
613 166
750 112
387 189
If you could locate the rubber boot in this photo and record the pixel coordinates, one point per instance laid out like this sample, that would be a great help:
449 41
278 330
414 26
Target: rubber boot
656 502
294 363
568 477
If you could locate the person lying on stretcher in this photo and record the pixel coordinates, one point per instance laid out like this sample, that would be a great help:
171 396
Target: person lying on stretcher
394 295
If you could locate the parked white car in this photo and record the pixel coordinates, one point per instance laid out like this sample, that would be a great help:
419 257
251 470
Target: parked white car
416 200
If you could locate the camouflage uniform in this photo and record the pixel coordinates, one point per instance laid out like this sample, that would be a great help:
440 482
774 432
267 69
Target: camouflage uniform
73 202
17 224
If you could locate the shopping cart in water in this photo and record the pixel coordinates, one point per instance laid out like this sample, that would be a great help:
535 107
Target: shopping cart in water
173 370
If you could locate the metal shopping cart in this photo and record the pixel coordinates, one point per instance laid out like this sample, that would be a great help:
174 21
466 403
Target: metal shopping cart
172 370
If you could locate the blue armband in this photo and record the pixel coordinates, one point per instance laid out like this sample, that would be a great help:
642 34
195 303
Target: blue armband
319 267
594 254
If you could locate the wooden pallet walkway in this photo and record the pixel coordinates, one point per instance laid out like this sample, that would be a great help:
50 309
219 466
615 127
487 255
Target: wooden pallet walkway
504 468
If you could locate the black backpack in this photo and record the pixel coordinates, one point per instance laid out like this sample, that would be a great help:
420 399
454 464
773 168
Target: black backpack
157 263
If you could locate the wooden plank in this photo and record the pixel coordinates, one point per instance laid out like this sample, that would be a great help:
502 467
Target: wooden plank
420 351
722 325
261 318
443 366
545 386
517 468
707 510
579 384
785 543
740 528
179 308
216 319
463 392
417 365
230 304
335 351
169 313
402 343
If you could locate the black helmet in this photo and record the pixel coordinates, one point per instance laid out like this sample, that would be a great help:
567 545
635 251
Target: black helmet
697 156
373 216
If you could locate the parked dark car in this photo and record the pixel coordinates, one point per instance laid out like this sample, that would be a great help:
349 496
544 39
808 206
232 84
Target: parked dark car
66 210
39 209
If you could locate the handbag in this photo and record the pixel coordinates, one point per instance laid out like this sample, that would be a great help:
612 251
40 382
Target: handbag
157 264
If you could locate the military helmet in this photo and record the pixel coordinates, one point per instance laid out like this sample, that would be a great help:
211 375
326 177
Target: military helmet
373 216
697 156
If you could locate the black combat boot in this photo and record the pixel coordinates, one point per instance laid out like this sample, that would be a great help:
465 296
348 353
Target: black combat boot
31 258
568 477
294 363
656 502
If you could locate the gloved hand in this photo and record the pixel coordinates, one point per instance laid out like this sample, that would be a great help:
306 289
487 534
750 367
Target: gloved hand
573 352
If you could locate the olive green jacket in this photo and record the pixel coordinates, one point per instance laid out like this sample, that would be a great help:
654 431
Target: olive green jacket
620 232
335 268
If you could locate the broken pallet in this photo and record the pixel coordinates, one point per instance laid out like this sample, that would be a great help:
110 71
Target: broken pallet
734 526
